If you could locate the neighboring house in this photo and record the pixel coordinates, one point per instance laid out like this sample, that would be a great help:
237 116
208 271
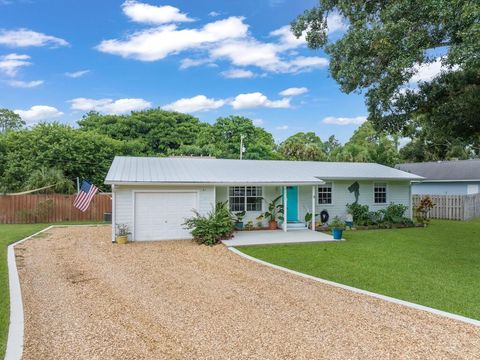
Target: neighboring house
458 177
153 196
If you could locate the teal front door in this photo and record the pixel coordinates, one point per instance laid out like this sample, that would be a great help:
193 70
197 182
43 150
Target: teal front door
292 203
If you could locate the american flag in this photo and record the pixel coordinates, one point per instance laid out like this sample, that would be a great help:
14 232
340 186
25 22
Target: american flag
85 196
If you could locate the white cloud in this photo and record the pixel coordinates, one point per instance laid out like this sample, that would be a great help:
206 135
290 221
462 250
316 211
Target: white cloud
150 14
109 106
332 120
39 113
335 22
293 91
267 56
188 63
11 63
24 84
427 72
77 74
194 104
286 38
237 74
214 13
157 43
257 99
307 63
282 127
226 39
26 38
258 122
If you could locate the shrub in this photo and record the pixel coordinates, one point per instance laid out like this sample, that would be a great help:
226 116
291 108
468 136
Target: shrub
395 212
376 217
337 223
211 228
359 213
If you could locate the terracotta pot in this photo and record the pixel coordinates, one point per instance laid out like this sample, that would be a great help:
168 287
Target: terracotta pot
272 225
122 239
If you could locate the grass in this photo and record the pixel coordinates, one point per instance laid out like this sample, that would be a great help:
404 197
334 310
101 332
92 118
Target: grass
438 266
8 235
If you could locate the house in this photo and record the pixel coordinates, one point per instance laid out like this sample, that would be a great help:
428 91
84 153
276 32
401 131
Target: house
458 177
154 195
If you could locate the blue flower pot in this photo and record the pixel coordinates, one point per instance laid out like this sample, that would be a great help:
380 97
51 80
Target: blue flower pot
337 234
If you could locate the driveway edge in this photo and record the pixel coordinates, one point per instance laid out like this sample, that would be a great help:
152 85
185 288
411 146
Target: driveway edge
360 291
14 348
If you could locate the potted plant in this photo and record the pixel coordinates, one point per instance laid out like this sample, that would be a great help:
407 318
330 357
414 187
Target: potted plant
238 216
308 220
274 212
337 226
122 234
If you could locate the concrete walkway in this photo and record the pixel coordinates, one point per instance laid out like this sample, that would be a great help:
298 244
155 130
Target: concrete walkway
269 237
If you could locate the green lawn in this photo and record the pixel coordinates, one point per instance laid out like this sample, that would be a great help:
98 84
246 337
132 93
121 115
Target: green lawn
438 266
8 235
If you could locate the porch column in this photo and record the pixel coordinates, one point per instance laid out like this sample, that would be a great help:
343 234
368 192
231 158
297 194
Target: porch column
284 209
313 207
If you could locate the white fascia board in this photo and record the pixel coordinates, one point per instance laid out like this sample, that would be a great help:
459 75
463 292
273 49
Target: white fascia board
189 183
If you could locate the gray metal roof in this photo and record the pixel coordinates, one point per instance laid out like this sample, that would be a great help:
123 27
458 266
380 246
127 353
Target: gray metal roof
457 170
155 170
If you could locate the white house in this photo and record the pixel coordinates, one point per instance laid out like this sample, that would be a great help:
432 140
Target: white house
456 177
154 195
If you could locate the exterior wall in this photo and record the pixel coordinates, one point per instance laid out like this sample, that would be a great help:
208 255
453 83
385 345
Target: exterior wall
269 193
445 188
397 192
123 205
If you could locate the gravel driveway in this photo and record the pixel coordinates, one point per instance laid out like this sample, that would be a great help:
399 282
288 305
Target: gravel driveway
85 298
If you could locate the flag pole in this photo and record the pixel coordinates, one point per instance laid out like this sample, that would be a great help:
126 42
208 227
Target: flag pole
78 185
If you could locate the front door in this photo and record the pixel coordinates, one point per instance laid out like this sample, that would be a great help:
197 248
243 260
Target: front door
292 203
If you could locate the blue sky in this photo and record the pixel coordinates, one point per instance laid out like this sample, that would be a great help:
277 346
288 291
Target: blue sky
59 59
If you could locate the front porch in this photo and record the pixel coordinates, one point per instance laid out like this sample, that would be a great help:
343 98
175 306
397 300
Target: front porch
270 237
297 200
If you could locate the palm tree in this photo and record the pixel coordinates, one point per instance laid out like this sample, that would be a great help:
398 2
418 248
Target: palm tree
44 177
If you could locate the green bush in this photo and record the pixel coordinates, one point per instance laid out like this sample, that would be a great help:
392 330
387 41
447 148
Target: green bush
359 212
394 213
210 229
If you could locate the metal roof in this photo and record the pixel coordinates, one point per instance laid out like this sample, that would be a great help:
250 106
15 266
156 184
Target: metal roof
184 170
457 170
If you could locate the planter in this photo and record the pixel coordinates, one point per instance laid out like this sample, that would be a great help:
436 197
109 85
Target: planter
337 234
122 239
239 225
272 225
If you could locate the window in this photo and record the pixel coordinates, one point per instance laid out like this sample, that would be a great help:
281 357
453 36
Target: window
380 193
245 198
325 193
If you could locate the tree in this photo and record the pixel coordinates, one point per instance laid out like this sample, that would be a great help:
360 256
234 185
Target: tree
78 153
387 41
226 132
443 114
160 130
43 177
368 145
303 146
10 121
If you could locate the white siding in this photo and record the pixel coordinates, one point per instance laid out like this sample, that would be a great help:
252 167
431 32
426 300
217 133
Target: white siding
124 200
397 192
269 193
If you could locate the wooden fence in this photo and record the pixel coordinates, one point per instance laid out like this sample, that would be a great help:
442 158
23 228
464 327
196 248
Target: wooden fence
49 208
452 207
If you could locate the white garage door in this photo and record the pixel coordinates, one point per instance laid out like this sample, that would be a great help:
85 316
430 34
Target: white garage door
160 215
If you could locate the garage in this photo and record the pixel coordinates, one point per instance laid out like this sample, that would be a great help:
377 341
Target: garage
160 215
